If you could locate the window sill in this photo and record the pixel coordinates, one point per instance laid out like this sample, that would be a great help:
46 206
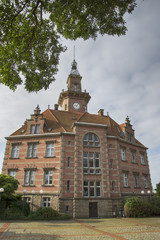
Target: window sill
14 158
31 157
28 185
134 162
126 186
49 156
47 185
124 160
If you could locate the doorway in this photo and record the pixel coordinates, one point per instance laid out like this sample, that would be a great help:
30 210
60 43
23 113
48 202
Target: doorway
93 209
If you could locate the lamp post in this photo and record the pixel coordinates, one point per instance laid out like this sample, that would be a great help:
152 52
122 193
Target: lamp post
142 192
1 191
24 193
41 192
33 192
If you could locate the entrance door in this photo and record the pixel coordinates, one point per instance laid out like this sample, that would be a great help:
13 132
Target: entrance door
93 209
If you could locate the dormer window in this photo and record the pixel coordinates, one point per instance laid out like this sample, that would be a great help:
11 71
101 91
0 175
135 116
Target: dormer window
35 129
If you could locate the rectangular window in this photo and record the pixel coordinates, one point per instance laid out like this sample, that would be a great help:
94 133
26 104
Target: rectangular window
68 162
98 189
12 173
15 151
68 185
85 189
136 180
32 150
50 150
29 177
67 208
133 156
85 160
111 164
142 158
46 202
123 154
113 186
91 161
125 179
91 189
35 129
48 176
145 179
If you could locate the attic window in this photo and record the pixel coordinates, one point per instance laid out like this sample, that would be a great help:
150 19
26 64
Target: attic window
23 131
35 129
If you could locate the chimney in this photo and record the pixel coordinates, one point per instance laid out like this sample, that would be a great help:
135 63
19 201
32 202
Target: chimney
56 106
100 112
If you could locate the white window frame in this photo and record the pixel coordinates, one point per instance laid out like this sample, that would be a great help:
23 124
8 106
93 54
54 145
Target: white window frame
29 177
32 150
125 179
145 179
49 149
12 173
46 201
91 140
15 151
123 154
48 177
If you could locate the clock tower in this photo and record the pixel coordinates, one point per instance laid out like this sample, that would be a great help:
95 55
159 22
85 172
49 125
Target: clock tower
74 99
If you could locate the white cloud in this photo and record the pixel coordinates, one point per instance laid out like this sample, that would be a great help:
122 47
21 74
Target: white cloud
121 75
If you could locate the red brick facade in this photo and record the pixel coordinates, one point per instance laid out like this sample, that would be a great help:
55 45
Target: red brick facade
79 163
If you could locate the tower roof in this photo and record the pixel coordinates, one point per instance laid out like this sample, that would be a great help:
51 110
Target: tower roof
74 70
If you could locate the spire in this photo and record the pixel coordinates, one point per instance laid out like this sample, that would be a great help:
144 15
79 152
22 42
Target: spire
74 69
127 120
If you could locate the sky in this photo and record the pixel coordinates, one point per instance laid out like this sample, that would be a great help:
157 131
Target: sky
122 75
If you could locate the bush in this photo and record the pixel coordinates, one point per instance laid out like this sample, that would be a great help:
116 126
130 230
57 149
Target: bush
16 210
136 207
155 202
45 213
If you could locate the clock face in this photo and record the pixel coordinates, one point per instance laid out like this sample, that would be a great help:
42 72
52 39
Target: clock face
76 105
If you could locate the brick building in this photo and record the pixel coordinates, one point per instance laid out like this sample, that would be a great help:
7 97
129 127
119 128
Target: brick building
78 163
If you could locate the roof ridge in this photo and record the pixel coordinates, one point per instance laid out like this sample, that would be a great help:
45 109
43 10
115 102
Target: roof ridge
57 120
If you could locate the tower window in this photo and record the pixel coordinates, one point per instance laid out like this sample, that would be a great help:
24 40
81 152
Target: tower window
35 129
75 87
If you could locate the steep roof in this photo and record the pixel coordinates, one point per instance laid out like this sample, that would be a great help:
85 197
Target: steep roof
62 121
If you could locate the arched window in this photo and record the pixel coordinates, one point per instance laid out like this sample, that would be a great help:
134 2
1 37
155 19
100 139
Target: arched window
90 140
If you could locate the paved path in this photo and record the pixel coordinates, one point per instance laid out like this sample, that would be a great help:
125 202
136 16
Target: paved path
82 229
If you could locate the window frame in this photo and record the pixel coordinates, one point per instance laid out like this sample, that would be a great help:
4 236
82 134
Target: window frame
46 201
12 175
123 153
142 158
34 128
48 177
91 140
133 156
15 150
91 188
50 146
32 151
30 178
90 160
136 180
125 179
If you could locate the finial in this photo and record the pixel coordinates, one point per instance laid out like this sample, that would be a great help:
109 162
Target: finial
37 110
74 69
127 120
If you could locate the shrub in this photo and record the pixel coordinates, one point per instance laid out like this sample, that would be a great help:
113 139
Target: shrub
12 213
136 207
155 202
45 213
